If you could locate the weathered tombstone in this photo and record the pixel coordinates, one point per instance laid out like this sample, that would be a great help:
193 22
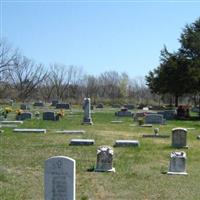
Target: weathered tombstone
100 105
124 113
82 142
177 164
60 178
154 119
127 143
104 159
39 104
87 119
24 116
179 138
50 116
54 102
24 107
62 106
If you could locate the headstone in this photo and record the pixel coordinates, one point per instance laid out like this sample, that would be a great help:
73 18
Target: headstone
60 178
127 143
124 113
87 112
179 138
139 115
104 159
39 104
29 130
24 116
71 131
154 119
62 106
100 105
12 122
168 114
24 107
82 142
54 102
50 116
177 164
195 109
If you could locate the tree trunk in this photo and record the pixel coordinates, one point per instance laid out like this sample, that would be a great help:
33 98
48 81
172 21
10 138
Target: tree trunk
176 100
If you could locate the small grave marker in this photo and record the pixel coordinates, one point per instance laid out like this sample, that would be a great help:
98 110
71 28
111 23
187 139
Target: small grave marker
29 130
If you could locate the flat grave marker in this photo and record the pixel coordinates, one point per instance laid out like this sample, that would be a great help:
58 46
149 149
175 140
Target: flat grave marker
82 142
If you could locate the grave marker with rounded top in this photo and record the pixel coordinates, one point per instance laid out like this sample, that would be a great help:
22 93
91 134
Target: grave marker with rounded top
60 178
179 137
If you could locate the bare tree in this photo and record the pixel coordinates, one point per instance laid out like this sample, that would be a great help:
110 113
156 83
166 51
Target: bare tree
26 76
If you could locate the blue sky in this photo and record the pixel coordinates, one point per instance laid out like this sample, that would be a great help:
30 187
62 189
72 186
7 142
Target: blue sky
125 36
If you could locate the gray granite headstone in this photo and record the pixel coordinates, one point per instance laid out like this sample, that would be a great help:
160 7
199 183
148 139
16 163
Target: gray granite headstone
177 164
82 142
54 102
39 104
127 143
63 106
87 119
60 178
154 119
124 113
50 116
179 137
24 116
100 105
104 159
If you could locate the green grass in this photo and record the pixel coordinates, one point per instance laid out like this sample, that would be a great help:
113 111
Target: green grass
139 171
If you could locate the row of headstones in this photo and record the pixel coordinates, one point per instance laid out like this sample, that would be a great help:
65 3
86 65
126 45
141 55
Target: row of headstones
41 104
60 172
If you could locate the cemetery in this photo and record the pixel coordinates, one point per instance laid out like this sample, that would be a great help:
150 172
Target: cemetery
83 150
100 100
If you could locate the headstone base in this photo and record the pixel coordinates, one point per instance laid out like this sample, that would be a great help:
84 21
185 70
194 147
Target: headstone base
177 173
110 170
87 121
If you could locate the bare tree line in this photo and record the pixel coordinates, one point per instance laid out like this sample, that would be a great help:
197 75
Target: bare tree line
23 79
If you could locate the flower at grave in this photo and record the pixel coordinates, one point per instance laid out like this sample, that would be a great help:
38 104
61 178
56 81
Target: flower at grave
61 113
19 111
8 109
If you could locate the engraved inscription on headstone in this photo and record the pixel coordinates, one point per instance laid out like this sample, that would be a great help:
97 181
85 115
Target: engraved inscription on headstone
59 178
179 137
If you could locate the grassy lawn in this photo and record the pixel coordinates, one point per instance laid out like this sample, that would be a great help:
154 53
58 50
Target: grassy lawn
139 171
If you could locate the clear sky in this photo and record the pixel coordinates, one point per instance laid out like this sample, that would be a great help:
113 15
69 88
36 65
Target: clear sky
99 36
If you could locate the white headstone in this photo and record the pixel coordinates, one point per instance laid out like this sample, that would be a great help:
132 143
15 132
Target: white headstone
59 178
